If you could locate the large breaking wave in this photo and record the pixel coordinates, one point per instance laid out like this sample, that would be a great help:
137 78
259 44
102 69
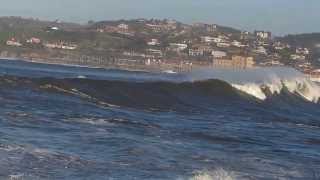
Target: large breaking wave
173 95
201 88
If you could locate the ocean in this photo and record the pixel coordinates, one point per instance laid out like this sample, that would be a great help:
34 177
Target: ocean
76 123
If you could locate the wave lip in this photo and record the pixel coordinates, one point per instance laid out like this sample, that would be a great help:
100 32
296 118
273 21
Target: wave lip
219 174
302 87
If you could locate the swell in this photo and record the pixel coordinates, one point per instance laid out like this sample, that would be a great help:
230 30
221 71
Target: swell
168 96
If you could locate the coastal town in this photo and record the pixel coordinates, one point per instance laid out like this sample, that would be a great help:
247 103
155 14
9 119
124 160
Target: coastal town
154 45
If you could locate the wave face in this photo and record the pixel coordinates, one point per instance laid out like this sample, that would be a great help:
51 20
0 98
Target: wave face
77 123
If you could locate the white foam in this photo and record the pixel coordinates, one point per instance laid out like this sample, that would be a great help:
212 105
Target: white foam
10 148
169 72
92 121
219 174
251 89
82 77
16 176
299 86
255 81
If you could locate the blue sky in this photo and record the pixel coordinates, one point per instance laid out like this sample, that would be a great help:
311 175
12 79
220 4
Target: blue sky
278 16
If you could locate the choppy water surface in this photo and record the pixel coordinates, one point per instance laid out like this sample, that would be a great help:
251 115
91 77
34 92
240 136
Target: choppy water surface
76 123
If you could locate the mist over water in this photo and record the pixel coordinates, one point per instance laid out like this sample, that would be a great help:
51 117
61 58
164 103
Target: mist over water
254 75
62 122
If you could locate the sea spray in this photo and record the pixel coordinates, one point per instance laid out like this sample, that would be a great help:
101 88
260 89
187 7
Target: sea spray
257 81
299 86
218 174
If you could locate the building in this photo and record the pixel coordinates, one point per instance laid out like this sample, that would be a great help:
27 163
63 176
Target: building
222 63
272 63
52 45
209 39
279 46
177 47
304 51
162 26
315 75
243 61
297 57
13 42
34 40
245 35
61 45
69 46
108 28
237 44
196 52
155 53
263 35
218 54
154 27
124 27
153 42
134 54
211 28
206 49
223 45
52 28
261 50
236 62
171 24
224 37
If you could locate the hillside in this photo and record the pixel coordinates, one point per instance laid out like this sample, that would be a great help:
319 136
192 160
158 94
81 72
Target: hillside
305 40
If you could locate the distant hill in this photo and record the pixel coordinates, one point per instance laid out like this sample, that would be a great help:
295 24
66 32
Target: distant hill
14 23
304 40
311 41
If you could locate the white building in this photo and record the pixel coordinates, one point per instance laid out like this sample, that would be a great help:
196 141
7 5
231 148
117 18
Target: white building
237 44
53 28
223 45
69 47
196 52
123 26
219 54
224 37
34 40
297 57
155 52
178 46
13 42
211 27
61 46
209 39
304 51
262 34
260 50
153 42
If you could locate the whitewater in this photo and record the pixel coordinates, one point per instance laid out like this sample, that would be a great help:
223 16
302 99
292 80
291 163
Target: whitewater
263 82
60 122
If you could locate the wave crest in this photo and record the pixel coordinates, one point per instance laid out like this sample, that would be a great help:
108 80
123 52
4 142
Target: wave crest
219 174
298 86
